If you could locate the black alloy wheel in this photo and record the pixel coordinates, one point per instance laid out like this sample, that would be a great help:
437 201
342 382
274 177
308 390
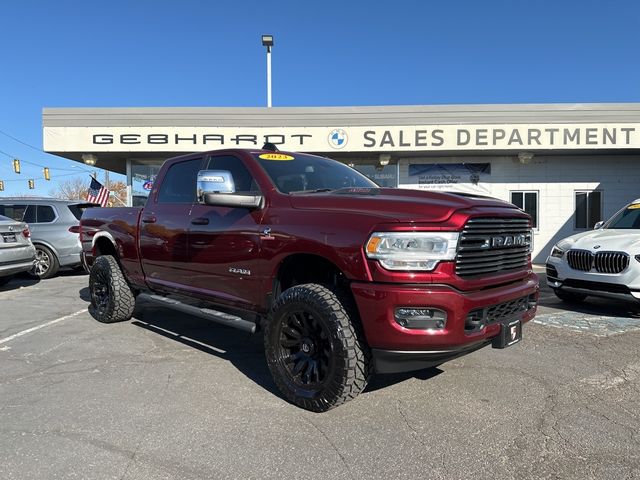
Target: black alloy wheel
315 348
304 350
111 297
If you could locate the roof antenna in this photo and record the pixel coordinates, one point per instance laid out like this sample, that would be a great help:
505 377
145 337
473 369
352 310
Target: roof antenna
270 146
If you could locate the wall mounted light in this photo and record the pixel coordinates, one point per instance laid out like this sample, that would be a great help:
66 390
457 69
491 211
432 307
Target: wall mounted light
89 159
384 159
525 157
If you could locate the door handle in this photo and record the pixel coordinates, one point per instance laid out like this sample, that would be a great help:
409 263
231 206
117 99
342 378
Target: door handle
148 219
200 221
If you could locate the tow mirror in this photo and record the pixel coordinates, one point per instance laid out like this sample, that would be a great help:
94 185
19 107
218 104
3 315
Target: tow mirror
217 188
598 225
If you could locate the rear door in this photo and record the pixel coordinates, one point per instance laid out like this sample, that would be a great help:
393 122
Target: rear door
224 242
164 226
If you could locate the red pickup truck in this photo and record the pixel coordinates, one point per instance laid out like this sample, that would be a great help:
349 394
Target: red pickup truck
343 277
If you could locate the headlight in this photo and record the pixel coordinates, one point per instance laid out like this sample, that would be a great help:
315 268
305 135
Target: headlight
412 250
557 252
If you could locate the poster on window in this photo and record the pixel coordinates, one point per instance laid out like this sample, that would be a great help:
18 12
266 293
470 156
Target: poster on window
450 177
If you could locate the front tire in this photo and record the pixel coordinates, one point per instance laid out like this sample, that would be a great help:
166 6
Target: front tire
315 349
111 298
569 297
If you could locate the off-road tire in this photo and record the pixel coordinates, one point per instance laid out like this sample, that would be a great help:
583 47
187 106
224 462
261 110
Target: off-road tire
569 297
346 353
45 256
111 297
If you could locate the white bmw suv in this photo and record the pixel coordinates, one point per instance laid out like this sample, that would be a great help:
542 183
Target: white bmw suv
604 262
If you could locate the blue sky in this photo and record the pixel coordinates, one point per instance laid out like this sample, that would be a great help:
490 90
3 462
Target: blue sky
207 53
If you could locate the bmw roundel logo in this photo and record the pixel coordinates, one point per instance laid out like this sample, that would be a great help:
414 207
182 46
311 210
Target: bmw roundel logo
338 138
595 247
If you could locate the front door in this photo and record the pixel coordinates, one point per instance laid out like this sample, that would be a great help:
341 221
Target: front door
224 243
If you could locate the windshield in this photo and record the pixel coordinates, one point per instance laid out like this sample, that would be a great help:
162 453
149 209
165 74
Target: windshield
628 218
300 173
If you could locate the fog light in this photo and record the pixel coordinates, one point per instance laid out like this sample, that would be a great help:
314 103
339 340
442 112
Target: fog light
421 318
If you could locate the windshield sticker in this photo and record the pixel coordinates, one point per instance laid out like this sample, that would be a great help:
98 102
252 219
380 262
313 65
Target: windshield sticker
275 156
634 206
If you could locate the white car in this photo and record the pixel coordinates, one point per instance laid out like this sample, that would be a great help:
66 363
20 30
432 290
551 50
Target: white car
604 262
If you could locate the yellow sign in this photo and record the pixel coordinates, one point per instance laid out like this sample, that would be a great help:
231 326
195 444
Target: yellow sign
275 156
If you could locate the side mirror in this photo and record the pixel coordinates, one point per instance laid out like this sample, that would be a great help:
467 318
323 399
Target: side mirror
217 188
598 225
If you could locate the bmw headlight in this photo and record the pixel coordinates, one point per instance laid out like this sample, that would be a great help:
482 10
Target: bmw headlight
560 248
412 250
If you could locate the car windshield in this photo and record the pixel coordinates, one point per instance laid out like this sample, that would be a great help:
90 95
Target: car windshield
629 218
304 173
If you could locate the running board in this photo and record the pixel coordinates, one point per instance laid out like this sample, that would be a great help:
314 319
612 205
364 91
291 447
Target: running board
206 313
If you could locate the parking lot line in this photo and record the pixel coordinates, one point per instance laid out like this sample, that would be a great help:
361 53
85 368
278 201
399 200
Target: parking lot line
38 327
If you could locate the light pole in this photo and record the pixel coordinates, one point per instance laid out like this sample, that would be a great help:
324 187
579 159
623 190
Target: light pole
267 41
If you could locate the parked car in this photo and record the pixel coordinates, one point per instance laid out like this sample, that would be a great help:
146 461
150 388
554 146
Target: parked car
604 262
54 230
17 253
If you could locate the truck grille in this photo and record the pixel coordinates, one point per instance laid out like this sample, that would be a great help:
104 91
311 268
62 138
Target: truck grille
490 245
603 262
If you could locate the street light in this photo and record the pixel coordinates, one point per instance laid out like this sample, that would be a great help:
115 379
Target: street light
267 41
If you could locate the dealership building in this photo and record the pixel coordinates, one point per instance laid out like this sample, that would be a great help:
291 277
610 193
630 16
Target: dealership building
568 165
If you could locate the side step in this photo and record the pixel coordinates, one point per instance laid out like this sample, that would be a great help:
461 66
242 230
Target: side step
206 313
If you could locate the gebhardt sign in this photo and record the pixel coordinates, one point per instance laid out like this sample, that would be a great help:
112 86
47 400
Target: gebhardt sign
348 139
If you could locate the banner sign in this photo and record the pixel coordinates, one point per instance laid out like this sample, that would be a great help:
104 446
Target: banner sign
451 177
518 137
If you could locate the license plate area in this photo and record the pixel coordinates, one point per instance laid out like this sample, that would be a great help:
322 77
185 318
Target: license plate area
510 334
9 238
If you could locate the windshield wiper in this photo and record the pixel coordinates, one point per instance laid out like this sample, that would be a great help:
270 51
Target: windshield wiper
314 191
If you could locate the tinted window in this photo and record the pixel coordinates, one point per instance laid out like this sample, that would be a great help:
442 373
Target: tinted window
179 183
527 201
45 214
242 179
588 209
13 211
78 209
30 214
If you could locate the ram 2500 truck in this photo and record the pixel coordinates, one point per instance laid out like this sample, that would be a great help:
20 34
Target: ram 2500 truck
344 278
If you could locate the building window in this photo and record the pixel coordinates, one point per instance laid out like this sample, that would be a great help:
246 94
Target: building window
527 201
588 209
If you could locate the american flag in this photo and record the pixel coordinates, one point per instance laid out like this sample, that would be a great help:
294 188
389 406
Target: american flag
97 193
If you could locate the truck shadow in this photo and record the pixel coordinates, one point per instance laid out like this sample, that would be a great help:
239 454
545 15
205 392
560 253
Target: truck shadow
244 351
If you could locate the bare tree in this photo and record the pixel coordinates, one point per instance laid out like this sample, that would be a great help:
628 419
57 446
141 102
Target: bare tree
77 189
72 189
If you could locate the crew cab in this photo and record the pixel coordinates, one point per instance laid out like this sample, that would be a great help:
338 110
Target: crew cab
604 262
343 278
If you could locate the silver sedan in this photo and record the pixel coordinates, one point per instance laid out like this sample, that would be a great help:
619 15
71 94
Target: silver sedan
17 253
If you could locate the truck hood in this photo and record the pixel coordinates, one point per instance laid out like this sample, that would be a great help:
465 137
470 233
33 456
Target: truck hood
624 240
397 204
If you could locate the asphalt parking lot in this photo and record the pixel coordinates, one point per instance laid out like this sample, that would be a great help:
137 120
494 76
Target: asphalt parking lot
171 397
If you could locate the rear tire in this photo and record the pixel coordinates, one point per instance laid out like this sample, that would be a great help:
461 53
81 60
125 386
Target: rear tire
111 298
315 348
569 297
46 265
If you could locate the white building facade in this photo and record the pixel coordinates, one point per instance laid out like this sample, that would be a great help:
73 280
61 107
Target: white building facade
568 165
